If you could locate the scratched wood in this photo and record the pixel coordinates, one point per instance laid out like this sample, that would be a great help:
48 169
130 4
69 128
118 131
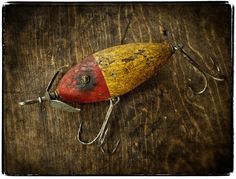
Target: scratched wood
163 128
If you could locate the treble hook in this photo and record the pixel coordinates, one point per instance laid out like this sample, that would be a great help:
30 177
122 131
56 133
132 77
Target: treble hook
220 76
103 131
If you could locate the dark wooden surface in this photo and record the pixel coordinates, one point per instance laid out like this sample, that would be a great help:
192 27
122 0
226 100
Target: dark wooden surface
162 130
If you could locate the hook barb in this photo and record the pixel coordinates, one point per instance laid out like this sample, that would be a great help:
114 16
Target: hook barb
113 150
100 137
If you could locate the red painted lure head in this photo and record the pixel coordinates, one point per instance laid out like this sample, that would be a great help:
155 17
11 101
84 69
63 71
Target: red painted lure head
83 83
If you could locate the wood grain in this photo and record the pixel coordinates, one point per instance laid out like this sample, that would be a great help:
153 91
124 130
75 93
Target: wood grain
162 129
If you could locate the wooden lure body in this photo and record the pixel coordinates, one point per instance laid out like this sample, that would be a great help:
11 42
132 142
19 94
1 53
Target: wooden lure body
112 72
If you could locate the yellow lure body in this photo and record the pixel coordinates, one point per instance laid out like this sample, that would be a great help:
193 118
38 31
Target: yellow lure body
125 67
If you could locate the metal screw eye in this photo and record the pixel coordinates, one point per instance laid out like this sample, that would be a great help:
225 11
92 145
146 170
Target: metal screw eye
85 79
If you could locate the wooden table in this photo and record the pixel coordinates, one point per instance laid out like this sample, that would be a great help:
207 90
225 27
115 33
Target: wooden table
163 129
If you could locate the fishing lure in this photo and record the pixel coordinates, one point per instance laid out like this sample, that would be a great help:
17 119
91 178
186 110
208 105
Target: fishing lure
110 73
